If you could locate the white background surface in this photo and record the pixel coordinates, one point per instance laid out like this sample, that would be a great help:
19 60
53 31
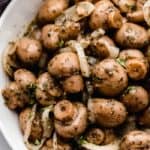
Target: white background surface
3 143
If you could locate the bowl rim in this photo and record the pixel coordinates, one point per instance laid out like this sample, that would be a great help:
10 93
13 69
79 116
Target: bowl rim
2 18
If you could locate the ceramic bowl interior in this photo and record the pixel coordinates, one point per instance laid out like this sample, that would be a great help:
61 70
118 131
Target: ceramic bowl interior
13 23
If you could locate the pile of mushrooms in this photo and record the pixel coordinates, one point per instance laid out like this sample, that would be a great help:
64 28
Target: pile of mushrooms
80 77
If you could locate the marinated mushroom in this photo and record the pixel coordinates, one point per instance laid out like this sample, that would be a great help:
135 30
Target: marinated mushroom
135 63
131 35
70 118
73 84
64 64
51 9
135 98
72 74
24 78
104 47
137 140
36 128
50 37
144 118
69 30
109 77
15 96
49 145
106 112
105 16
131 54
95 136
47 90
137 69
28 50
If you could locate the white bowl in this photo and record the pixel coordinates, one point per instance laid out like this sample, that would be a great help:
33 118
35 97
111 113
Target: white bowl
13 23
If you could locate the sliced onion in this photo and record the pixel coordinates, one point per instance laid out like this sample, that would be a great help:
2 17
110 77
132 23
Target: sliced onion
113 51
97 33
46 122
9 60
55 145
28 132
73 13
146 11
82 58
90 146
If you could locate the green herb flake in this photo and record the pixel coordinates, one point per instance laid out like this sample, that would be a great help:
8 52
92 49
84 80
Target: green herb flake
121 62
30 115
131 7
37 142
130 89
61 43
82 140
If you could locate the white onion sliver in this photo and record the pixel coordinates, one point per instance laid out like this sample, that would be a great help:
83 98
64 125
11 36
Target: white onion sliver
55 145
45 120
82 58
97 33
28 131
71 13
146 11
35 147
29 124
90 146
113 51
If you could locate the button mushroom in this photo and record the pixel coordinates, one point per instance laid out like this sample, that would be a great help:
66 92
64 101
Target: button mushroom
135 63
109 77
137 69
105 16
24 78
135 140
106 112
51 9
73 84
132 36
15 96
70 118
104 47
47 91
135 98
95 136
50 37
28 50
64 64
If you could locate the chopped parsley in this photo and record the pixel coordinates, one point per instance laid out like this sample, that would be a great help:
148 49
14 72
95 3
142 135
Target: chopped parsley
121 62
37 142
82 141
61 43
129 89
